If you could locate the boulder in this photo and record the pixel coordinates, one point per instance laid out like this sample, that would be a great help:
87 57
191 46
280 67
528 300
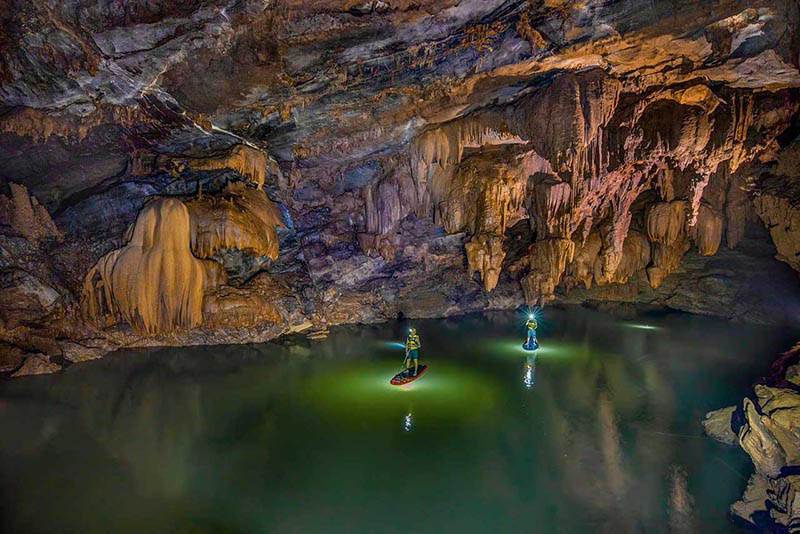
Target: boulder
717 425
37 364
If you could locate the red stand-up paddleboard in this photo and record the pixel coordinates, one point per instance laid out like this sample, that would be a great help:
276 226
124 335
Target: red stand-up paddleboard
404 377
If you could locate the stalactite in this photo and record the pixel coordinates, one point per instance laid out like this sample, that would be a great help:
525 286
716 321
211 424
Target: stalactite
582 268
243 219
666 221
666 259
635 257
707 233
739 211
549 203
484 197
244 159
548 260
485 255
436 153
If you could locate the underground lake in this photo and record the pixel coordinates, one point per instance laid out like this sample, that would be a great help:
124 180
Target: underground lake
599 431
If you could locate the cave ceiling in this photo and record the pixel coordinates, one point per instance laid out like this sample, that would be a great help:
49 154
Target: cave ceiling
87 84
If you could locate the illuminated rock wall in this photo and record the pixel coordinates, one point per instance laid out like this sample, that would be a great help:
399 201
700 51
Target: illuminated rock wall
164 279
427 159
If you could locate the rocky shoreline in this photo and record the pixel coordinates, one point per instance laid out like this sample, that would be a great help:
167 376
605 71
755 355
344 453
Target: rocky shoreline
766 425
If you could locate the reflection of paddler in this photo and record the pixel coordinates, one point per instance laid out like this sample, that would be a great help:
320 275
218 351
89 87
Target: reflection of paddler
412 349
530 371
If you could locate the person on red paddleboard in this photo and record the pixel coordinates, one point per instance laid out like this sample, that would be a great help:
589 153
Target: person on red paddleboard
412 349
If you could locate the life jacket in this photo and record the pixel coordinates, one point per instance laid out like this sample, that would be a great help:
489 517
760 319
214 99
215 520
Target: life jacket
532 324
412 342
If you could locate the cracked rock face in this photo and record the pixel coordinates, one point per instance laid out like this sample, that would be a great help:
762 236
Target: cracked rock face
423 158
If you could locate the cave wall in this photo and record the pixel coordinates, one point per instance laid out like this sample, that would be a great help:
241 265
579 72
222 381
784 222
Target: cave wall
281 166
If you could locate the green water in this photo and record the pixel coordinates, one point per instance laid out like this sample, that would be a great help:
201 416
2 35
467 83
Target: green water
601 433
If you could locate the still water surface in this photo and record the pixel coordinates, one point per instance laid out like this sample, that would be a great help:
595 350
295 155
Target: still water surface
599 433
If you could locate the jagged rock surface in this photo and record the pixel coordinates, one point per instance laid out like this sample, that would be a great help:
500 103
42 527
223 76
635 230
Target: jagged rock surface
767 427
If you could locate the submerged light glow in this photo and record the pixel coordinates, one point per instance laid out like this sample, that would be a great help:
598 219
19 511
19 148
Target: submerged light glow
641 326
359 394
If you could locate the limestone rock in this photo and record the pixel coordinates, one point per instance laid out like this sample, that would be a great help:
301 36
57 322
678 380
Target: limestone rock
770 434
37 364
249 306
85 349
783 221
11 358
717 424
548 260
26 216
754 501
793 374
25 297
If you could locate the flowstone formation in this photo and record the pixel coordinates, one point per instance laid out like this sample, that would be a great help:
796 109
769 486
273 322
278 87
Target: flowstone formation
164 278
212 171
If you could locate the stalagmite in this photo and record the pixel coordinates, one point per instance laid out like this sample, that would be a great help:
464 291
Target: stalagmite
242 218
153 282
162 280
26 216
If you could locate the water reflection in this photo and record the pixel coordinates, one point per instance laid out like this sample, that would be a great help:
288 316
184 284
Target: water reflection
529 376
311 437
